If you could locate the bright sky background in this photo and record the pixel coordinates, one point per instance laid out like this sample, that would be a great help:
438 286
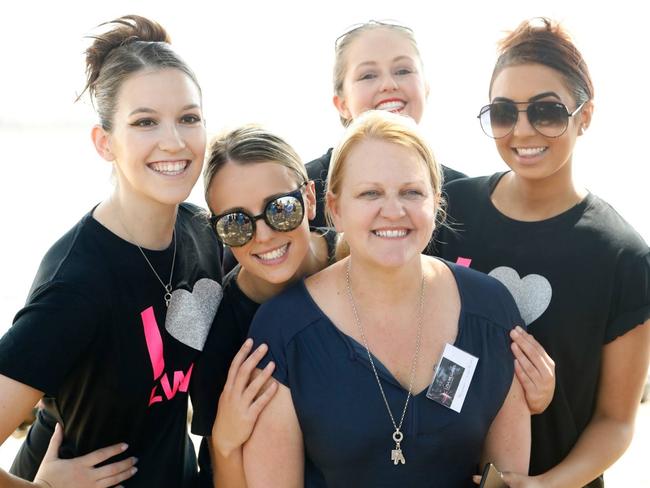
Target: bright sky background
270 62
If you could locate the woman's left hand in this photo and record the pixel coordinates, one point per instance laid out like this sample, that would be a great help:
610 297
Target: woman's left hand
534 368
243 398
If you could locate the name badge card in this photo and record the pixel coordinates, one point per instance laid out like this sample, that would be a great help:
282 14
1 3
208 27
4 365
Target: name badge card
452 378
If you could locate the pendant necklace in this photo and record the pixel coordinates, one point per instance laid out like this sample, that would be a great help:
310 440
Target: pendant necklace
396 454
167 287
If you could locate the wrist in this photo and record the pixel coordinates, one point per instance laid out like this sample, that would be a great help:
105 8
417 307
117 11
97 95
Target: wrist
41 483
224 450
547 480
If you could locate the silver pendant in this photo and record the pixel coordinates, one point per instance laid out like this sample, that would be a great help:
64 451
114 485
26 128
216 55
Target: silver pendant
168 295
396 454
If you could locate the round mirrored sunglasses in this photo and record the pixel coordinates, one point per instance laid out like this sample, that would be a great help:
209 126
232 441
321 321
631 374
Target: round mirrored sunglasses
282 213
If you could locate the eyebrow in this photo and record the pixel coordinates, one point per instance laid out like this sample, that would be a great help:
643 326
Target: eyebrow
152 111
531 99
380 184
394 60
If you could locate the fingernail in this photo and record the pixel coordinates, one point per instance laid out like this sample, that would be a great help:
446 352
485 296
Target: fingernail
263 347
519 329
134 470
248 342
135 459
124 446
514 332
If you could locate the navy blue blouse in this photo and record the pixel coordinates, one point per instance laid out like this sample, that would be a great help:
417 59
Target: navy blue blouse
346 429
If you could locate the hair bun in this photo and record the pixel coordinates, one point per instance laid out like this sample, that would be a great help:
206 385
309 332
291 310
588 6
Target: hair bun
124 30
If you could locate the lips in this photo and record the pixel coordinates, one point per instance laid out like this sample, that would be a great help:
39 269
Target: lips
273 254
169 168
391 105
529 152
390 233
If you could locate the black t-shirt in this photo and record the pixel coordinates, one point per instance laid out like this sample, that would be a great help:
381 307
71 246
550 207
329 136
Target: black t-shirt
113 360
317 171
227 335
581 279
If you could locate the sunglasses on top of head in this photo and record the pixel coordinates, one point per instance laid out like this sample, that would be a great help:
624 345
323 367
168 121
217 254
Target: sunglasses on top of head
379 23
549 118
283 213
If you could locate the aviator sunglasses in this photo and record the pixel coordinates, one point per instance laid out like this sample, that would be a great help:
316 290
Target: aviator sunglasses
283 213
549 118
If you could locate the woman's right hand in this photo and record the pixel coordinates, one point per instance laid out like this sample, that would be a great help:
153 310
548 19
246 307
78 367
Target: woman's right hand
81 472
243 398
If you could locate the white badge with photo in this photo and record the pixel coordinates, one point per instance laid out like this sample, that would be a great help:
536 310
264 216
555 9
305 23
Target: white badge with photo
452 378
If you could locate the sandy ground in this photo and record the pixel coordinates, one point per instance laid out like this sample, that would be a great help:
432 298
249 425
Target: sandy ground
629 472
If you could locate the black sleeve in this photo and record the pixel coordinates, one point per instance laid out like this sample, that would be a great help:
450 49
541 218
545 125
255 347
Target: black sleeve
49 336
449 174
631 301
317 171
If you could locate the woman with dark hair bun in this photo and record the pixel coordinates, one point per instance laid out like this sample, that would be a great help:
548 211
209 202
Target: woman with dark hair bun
580 274
122 303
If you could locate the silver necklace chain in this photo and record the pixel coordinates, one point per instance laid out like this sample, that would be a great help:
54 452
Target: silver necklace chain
396 454
167 287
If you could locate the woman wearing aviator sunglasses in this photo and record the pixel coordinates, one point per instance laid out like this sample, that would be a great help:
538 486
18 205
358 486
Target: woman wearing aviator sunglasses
261 201
578 271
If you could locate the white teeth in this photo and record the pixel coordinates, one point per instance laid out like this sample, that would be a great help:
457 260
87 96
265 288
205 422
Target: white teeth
391 233
169 167
275 254
529 151
392 106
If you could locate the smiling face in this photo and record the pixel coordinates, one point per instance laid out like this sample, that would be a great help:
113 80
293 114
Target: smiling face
273 256
527 152
385 205
157 141
382 71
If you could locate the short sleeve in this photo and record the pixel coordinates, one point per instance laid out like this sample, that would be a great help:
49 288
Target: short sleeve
267 328
631 299
50 336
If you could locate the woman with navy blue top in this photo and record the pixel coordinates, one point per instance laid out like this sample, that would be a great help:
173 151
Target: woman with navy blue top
355 346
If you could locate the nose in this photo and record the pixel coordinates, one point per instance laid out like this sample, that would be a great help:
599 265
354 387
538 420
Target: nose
388 82
392 208
263 233
171 140
523 127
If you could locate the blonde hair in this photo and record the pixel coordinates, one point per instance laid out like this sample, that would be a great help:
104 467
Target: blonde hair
344 41
251 144
388 127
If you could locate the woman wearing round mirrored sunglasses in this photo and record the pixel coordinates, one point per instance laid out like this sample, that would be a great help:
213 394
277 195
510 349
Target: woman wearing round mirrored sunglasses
579 272
261 201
